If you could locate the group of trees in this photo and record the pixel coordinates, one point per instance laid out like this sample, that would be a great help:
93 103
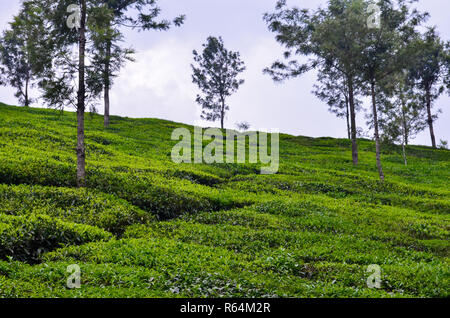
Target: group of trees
356 52
38 49
359 53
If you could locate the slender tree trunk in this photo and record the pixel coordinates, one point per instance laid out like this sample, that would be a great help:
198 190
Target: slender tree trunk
405 134
353 121
81 150
107 83
27 101
377 135
27 79
430 118
404 153
404 123
222 112
347 115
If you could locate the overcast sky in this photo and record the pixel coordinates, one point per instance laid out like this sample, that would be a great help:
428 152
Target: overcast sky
159 83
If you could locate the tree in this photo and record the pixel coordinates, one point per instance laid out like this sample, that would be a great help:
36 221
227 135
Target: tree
328 37
19 46
386 50
110 56
216 75
15 69
68 80
333 90
402 116
431 71
91 26
107 56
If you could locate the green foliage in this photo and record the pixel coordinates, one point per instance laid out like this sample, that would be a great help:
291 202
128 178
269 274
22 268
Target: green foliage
24 238
224 230
75 205
431 65
21 54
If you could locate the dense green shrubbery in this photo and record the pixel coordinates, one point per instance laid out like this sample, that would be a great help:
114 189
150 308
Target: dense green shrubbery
309 231
26 238
28 170
75 205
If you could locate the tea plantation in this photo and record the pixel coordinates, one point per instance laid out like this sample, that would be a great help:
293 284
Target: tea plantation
147 227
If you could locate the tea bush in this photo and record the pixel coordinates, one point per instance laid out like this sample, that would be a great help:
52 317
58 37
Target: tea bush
25 238
75 205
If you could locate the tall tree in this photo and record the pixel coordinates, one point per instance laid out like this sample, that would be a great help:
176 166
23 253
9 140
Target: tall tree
216 74
431 71
107 56
328 38
71 79
387 49
402 116
109 53
19 47
93 27
403 107
15 69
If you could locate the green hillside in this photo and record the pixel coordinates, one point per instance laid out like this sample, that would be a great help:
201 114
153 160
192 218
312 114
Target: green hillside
147 227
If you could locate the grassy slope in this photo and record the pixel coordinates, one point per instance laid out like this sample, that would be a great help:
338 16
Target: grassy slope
309 231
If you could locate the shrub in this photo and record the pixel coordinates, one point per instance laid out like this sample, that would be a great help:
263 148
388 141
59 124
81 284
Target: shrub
26 238
75 205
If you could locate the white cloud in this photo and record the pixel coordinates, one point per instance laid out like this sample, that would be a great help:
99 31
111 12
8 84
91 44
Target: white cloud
158 84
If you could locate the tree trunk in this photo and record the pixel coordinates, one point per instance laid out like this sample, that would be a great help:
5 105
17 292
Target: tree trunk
405 127
348 118
353 122
27 101
222 112
405 133
81 150
27 79
404 153
107 83
404 124
430 118
377 135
